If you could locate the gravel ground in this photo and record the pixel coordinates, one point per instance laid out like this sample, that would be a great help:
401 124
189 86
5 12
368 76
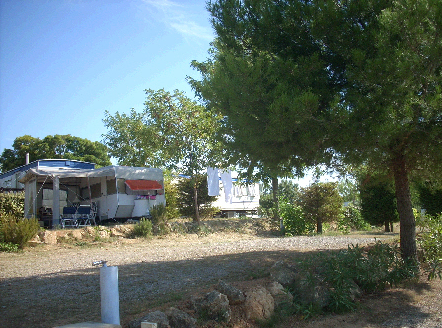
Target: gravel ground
54 285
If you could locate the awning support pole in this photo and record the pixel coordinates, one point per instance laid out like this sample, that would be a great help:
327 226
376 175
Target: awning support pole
56 202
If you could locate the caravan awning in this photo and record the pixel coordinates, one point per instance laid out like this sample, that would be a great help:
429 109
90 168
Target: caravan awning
143 185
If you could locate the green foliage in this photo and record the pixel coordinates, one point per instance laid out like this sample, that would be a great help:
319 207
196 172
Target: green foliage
142 229
430 242
266 207
158 214
8 247
378 201
348 272
321 202
171 193
430 198
351 219
294 221
57 146
17 231
186 195
172 132
12 204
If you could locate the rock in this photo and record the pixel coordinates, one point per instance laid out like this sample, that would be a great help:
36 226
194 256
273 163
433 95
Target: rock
280 295
77 234
48 237
312 290
235 295
180 319
259 303
158 317
214 306
282 273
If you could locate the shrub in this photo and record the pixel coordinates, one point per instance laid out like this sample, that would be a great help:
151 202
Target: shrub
369 269
142 229
430 242
158 214
351 219
17 231
12 204
293 220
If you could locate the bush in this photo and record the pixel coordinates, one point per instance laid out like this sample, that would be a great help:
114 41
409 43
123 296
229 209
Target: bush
158 214
351 219
369 269
12 204
293 220
17 231
429 239
142 229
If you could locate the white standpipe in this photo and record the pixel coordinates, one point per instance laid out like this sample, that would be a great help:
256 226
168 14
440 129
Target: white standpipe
110 301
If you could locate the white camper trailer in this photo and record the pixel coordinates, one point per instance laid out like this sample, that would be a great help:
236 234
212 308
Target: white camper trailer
114 192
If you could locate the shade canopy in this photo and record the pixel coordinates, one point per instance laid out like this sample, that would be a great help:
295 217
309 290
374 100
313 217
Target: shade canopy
144 185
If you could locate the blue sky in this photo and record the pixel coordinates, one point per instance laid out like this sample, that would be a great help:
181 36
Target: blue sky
64 62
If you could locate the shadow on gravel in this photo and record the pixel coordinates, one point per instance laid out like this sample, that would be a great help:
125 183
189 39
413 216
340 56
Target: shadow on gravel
74 296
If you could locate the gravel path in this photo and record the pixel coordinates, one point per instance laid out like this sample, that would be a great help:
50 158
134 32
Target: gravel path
55 285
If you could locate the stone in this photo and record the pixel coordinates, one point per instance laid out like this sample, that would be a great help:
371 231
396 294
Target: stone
312 290
158 317
235 295
180 319
282 273
48 237
280 295
259 303
214 306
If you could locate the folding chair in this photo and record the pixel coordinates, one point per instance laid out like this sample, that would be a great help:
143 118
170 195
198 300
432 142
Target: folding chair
85 216
69 217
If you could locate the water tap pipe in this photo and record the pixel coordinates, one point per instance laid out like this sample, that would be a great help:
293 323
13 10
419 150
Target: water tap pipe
110 300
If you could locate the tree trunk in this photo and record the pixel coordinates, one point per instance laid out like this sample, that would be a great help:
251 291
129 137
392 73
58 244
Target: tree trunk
195 202
319 226
404 208
275 200
387 226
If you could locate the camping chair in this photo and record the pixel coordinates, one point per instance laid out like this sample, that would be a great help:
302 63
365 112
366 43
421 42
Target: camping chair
85 216
69 217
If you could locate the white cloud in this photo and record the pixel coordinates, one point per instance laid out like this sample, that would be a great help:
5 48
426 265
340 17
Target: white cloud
181 18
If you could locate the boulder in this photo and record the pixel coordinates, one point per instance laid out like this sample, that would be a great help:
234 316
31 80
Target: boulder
312 289
180 319
235 295
48 237
280 295
158 317
214 306
259 303
282 273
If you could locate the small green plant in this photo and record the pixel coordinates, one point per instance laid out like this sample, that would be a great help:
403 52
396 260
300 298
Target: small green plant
142 229
8 247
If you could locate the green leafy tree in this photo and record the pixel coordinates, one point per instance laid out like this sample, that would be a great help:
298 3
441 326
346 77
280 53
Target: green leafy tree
186 195
378 202
356 79
321 203
430 197
173 132
57 146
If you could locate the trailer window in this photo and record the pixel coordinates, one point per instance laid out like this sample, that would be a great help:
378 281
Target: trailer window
111 187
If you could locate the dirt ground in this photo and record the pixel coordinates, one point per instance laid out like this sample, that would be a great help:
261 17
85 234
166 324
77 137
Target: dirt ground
46 297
